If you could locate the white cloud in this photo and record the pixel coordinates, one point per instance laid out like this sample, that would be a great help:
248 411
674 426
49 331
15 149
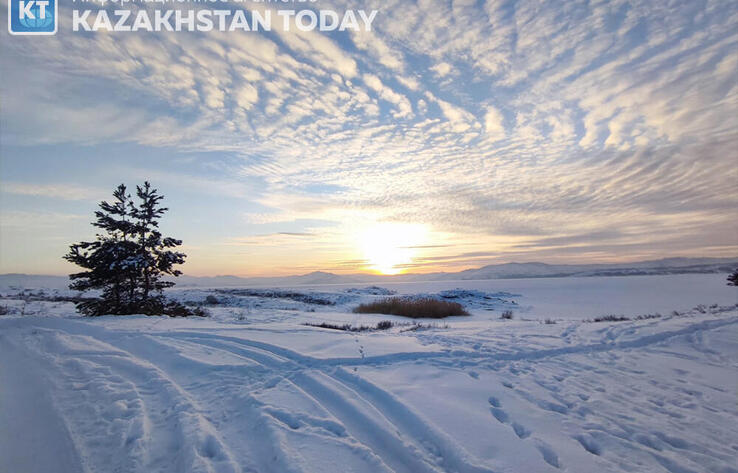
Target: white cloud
610 118
404 109
442 69
378 49
494 123
247 96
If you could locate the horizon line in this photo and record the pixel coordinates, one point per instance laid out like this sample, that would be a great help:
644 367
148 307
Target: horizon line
377 274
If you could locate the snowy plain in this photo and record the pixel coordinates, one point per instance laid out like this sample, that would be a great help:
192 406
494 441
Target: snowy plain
253 389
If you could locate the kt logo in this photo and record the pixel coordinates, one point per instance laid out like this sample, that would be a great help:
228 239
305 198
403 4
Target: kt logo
32 16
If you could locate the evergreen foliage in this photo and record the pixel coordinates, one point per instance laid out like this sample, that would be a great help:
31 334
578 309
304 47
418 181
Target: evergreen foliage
129 258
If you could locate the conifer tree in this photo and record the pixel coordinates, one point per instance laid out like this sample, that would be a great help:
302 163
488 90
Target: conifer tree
155 257
733 278
128 259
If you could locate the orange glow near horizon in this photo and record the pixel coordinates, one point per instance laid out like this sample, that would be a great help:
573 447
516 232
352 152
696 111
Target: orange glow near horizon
389 247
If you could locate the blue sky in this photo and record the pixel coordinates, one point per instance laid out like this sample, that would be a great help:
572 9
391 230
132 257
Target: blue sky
454 134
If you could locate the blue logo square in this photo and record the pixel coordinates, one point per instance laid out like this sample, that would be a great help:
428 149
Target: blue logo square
32 16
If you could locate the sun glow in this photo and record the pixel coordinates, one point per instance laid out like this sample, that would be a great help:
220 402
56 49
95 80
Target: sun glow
389 248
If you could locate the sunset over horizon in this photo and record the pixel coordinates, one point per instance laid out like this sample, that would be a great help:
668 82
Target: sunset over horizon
443 136
368 236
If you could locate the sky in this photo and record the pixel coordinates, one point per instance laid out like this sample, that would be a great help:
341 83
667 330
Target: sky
452 135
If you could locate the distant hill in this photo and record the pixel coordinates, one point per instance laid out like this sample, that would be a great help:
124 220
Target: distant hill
494 271
543 270
32 281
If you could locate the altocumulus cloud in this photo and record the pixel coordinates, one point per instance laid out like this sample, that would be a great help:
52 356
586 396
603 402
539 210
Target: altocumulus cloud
485 120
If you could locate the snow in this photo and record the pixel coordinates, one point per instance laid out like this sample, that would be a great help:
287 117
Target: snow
584 297
253 389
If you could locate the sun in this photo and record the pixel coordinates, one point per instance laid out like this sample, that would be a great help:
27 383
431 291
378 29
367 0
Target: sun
389 247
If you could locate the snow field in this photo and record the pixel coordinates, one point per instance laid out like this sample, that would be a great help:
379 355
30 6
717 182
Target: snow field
253 389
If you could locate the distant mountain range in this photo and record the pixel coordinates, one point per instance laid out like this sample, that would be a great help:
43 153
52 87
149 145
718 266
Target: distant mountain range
493 271
543 270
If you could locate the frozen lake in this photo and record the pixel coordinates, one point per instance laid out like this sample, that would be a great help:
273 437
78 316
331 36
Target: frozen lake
583 297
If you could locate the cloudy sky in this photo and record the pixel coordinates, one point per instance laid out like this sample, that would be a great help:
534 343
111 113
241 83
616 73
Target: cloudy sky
455 134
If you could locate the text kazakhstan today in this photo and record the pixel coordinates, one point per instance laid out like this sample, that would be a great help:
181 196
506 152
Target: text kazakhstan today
220 20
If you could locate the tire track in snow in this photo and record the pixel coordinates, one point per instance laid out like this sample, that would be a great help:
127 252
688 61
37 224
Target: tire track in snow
279 358
450 455
361 404
364 423
130 399
263 445
359 407
323 379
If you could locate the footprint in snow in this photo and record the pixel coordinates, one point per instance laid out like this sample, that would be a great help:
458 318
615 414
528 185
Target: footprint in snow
520 431
553 407
500 415
549 455
648 441
589 444
210 448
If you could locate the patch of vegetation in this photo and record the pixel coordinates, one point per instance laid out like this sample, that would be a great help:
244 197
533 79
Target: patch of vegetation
212 300
416 308
175 309
416 326
3 310
622 318
507 315
611 318
383 325
278 294
372 290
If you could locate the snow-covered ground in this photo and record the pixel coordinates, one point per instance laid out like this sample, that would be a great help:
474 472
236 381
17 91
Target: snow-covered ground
253 389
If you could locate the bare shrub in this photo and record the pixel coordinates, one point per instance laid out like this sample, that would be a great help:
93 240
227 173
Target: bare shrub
507 315
175 309
610 318
383 325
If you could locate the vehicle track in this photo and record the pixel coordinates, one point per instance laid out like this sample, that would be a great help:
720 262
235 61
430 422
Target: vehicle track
166 398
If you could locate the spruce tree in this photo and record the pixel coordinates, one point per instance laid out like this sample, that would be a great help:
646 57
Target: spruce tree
155 257
733 278
128 259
